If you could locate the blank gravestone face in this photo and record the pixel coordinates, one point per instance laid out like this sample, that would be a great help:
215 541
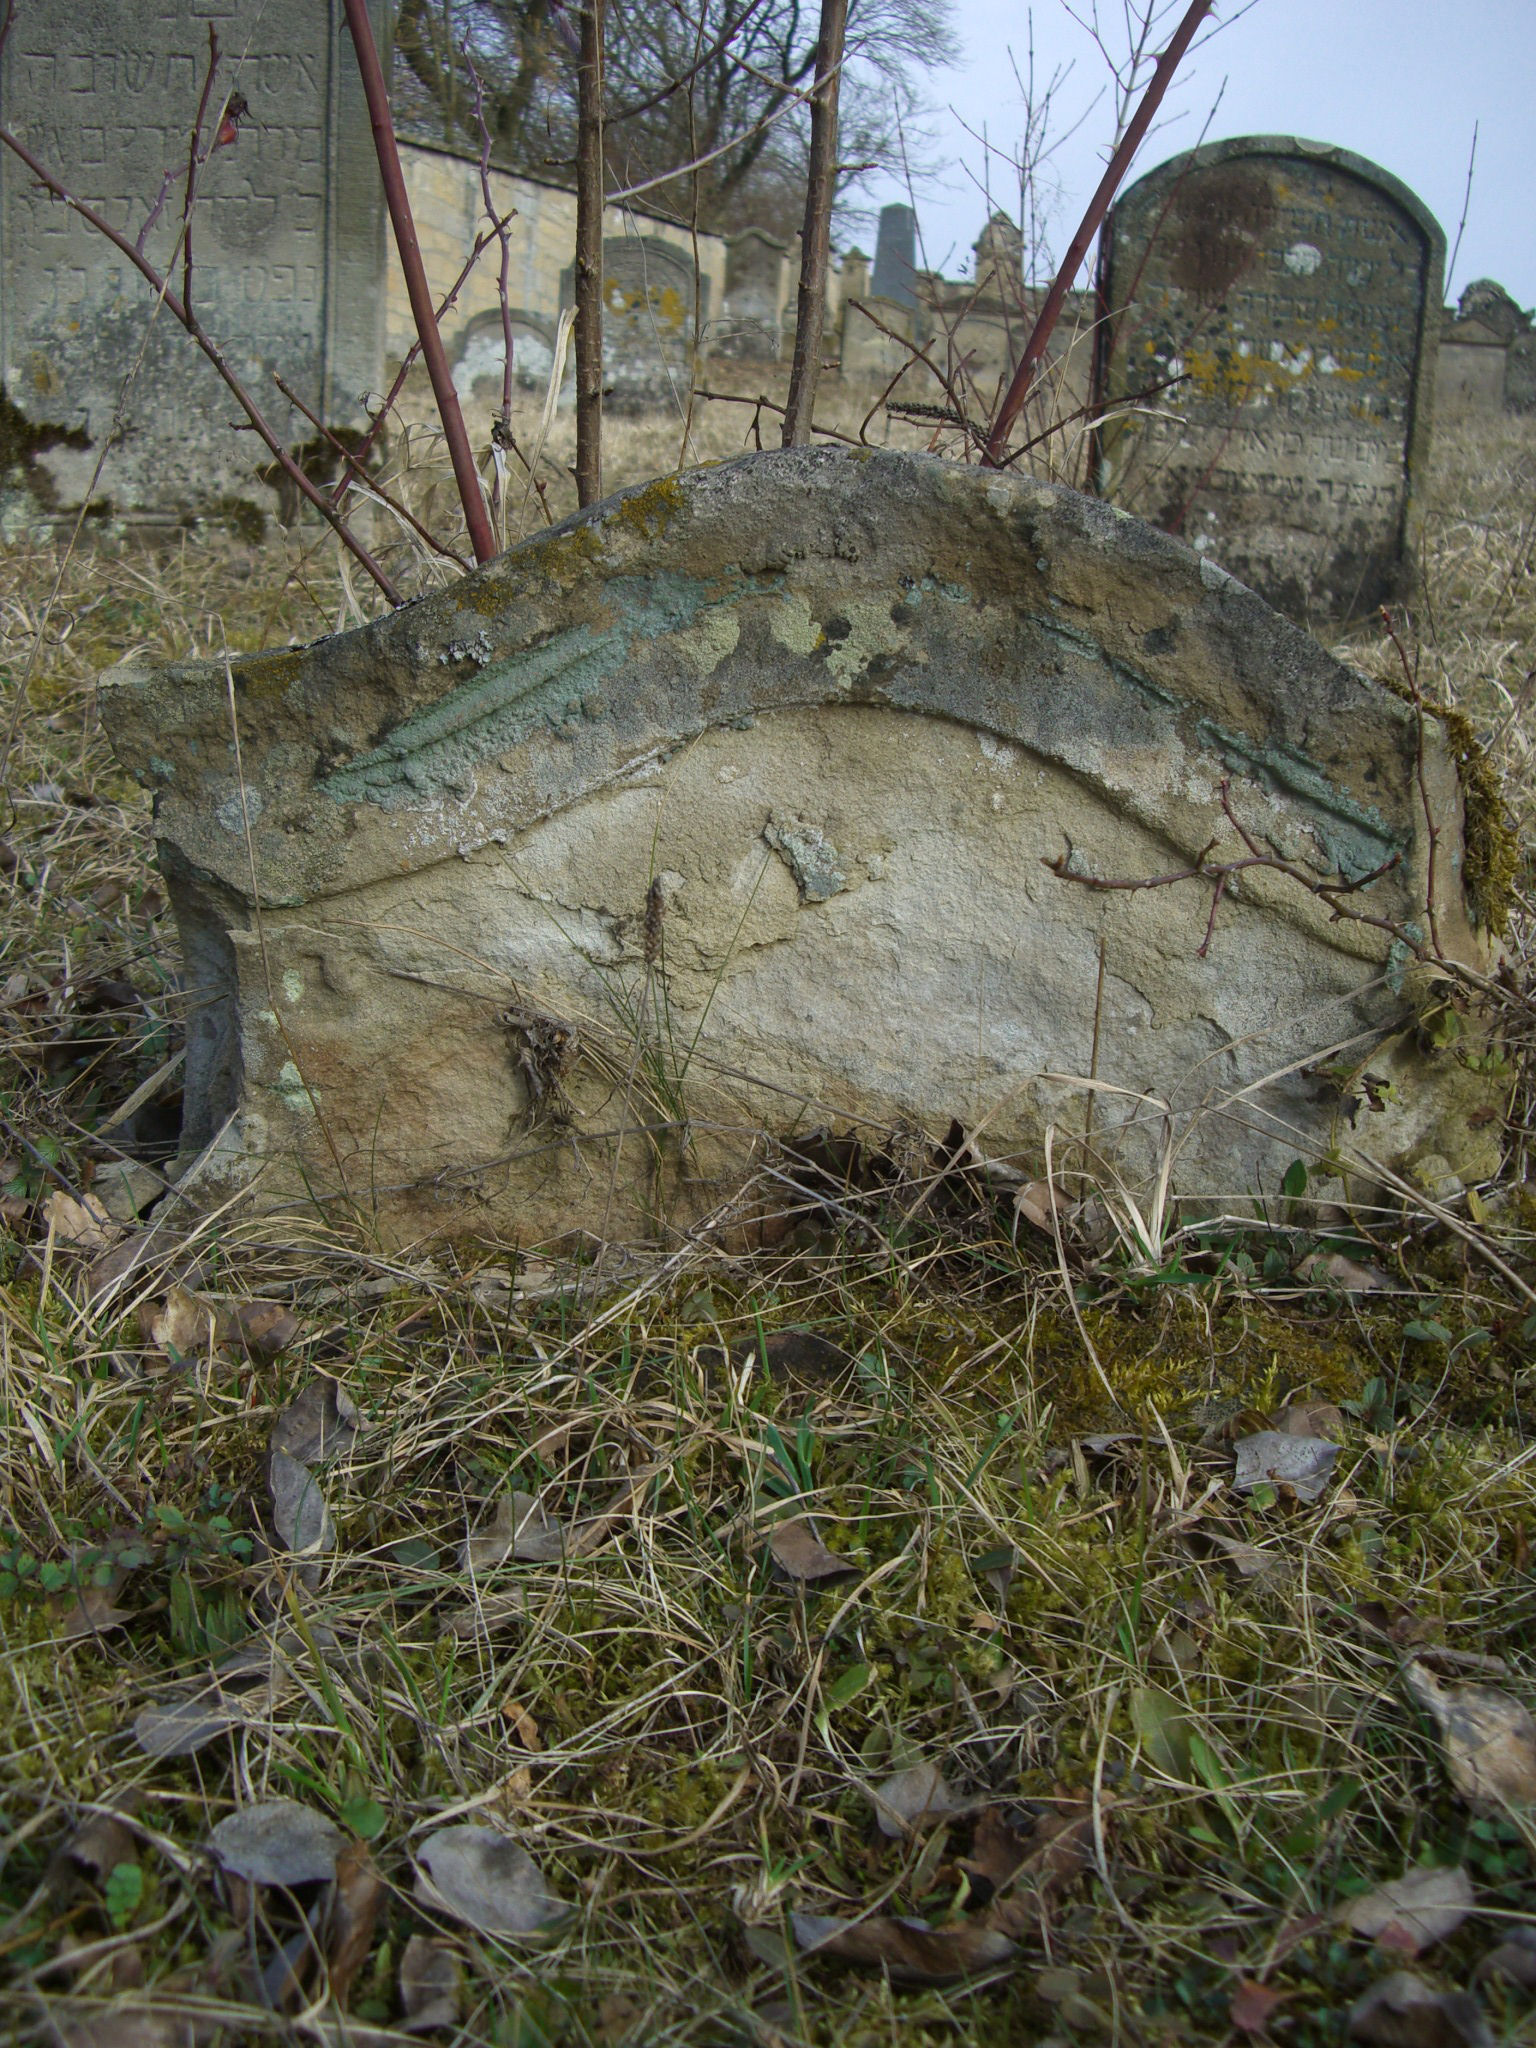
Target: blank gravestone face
287 243
766 797
1275 307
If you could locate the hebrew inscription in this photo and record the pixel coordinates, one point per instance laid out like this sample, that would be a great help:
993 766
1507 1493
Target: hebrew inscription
1273 309
286 239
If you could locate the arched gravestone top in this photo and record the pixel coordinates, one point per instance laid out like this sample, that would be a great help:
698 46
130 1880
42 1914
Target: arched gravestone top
1293 291
724 807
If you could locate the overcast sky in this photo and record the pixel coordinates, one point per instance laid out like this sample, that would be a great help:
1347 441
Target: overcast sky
1400 82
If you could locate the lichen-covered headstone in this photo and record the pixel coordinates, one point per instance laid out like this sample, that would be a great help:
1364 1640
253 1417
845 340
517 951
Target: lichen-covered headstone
769 797
287 248
1273 311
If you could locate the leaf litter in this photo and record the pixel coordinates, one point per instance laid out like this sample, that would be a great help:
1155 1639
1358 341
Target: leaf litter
1487 1736
1413 1912
487 1880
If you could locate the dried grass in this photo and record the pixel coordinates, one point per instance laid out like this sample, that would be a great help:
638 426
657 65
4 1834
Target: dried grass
679 1734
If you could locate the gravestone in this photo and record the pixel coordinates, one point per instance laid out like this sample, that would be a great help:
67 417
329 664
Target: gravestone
648 320
772 796
1273 317
895 275
287 245
748 329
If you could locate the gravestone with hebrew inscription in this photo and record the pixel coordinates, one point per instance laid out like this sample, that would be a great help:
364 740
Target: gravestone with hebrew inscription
817 788
1273 317
287 247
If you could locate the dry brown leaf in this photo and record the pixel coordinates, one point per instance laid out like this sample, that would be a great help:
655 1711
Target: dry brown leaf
354 1912
1037 1202
910 1950
799 1551
1345 1276
1252 2005
278 1841
1514 1958
183 1325
1412 1913
100 1845
488 1881
299 1513
914 1799
182 1727
319 1424
803 1358
1247 1559
1060 1850
264 1328
92 1609
519 1528
492 1611
998 1851
429 1984
1271 1457
1489 1739
1310 1418
154 2022
593 1530
1402 2011
85 1225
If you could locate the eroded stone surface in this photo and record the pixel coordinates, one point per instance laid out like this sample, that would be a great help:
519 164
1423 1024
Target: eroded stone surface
1274 326
725 808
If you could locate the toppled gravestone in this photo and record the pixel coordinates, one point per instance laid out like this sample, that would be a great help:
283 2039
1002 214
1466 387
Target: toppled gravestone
1273 329
729 807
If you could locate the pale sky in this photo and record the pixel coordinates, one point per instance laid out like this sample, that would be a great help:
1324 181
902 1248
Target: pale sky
1400 82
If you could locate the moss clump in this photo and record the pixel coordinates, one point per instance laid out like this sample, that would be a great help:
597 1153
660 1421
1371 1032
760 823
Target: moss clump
1493 846
264 676
649 512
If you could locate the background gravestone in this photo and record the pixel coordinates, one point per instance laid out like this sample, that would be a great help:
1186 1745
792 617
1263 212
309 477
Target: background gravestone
288 245
1293 291
729 806
648 320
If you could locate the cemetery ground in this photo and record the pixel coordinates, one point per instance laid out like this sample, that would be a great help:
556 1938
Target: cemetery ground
884 1629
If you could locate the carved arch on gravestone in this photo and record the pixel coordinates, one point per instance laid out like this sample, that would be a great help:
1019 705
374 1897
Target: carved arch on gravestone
839 708
478 355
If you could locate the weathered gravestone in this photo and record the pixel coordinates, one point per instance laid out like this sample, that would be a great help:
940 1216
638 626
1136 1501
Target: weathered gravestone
726 807
1293 292
750 323
648 320
287 246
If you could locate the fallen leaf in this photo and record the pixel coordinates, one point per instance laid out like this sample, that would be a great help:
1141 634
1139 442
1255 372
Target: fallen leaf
913 1799
183 1727
490 1612
1514 1958
92 1609
278 1841
354 1912
910 1950
799 1551
803 1358
1413 1912
1310 1418
318 1425
1061 1849
1488 1736
1247 1559
299 1513
183 1325
429 1984
85 1225
998 1852
1252 2005
148 2023
487 1880
1270 1457
519 1528
264 1328
1402 2011
100 1845
1344 1276
1037 1202
593 1530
